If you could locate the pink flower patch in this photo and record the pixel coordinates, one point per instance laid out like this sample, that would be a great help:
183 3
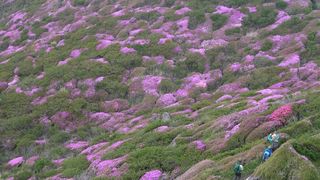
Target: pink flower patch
16 161
252 9
200 145
77 145
152 175
182 11
126 50
150 84
75 53
290 60
282 113
223 9
162 129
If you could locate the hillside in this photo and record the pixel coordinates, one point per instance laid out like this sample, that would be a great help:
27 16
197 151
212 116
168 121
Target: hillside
159 89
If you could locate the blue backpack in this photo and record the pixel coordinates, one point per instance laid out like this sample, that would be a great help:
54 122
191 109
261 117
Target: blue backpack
266 154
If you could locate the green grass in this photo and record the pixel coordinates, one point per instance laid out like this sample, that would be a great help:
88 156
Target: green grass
218 21
284 164
74 166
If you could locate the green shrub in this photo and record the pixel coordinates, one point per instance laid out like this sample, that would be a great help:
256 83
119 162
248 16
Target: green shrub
14 105
293 25
200 105
312 48
263 62
5 44
281 4
169 3
249 94
294 166
310 108
263 17
150 16
74 166
237 3
196 17
232 31
264 77
23 175
193 63
66 16
309 148
218 21
163 158
167 86
80 2
48 173
59 137
267 45
297 128
114 89
171 16
40 164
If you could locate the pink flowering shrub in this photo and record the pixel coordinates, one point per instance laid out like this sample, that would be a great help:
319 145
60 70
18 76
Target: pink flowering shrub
282 113
16 161
200 145
152 175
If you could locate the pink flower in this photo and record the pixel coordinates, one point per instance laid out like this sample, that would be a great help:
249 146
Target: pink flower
75 53
77 145
126 50
167 99
200 145
282 113
162 129
182 11
152 175
16 161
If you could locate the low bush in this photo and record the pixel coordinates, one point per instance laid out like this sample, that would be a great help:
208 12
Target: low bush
312 49
263 17
169 3
267 45
149 17
114 89
261 62
40 164
163 158
293 25
193 63
167 86
264 77
281 4
232 31
237 3
196 17
218 21
23 175
74 166
200 105
80 2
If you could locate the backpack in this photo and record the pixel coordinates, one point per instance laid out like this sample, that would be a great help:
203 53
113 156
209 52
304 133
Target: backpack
237 168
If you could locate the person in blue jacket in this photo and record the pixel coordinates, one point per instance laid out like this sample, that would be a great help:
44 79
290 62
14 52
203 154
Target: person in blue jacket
267 153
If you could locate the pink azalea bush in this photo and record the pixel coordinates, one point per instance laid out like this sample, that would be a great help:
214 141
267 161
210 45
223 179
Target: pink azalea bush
16 161
152 175
77 145
200 145
282 113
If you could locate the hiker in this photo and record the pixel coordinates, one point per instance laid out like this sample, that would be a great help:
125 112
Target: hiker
267 153
238 168
274 140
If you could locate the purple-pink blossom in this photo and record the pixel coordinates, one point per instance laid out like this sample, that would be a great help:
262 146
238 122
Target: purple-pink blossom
200 145
152 175
16 161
